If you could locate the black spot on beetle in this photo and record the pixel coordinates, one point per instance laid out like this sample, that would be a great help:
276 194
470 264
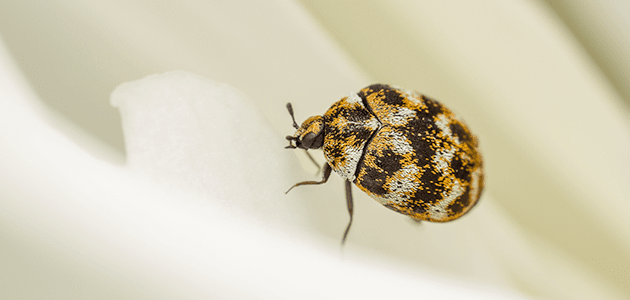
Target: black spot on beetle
434 107
459 169
461 203
373 181
460 132
392 97
432 191
457 206
418 208
463 174
389 161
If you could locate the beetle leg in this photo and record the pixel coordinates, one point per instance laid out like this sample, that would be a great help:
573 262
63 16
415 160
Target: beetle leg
327 170
313 160
350 209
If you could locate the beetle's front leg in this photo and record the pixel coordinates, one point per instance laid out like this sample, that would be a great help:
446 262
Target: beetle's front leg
327 171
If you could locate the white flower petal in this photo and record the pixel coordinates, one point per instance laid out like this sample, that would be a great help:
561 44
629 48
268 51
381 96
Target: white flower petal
561 173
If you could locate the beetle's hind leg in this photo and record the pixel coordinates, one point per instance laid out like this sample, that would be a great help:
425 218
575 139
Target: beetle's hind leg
327 170
350 204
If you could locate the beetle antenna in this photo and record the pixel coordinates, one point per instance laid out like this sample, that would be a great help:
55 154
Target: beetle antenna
290 109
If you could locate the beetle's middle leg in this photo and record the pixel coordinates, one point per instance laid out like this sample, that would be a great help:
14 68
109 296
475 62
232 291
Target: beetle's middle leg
327 171
313 160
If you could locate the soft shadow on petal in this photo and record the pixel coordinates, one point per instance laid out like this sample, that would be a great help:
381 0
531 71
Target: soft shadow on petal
553 132
275 52
76 227
189 132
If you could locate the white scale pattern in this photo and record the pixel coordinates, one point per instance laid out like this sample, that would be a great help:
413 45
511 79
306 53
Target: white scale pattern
400 117
349 168
438 211
400 142
443 159
354 98
443 122
403 185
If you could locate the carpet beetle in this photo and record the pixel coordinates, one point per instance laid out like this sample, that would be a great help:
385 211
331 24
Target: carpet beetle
407 151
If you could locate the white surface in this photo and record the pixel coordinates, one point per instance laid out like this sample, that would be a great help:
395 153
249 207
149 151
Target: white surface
99 232
75 225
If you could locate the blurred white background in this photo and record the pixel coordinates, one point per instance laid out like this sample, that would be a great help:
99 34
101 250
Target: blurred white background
542 83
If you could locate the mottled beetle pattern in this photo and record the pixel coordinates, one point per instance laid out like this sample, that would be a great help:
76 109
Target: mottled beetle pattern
407 151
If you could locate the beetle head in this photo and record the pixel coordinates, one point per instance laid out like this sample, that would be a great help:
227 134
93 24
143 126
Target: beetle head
308 136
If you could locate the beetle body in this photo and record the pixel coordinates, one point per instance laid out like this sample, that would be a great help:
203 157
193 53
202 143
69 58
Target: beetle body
405 150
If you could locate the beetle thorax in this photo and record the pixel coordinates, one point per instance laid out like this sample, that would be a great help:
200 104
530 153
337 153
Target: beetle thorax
349 127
